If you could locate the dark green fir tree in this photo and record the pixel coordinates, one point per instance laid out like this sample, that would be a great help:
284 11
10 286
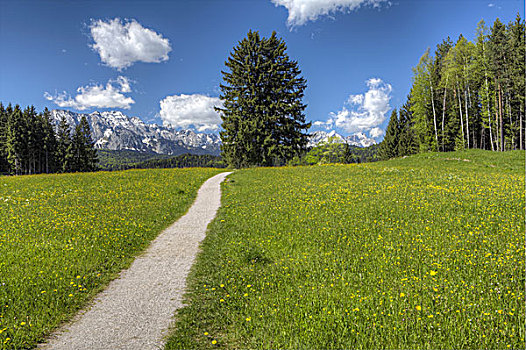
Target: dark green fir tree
389 147
263 113
407 143
63 155
82 150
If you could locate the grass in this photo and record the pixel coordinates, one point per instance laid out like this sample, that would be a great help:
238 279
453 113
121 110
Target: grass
425 252
64 237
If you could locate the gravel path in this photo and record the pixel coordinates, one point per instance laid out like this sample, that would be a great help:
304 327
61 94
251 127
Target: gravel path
137 308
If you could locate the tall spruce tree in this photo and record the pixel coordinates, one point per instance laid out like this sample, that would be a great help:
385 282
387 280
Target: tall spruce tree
407 143
15 145
81 150
389 146
63 154
517 50
498 56
263 119
4 165
49 143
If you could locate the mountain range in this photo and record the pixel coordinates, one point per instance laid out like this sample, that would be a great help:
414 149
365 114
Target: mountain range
358 139
113 130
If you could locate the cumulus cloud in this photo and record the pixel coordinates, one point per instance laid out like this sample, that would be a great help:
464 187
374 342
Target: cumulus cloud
318 123
191 110
365 112
122 43
376 132
110 95
302 11
324 124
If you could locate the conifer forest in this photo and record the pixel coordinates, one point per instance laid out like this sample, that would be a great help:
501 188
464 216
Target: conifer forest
30 143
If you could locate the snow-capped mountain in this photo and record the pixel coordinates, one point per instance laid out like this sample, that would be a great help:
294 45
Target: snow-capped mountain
115 131
358 139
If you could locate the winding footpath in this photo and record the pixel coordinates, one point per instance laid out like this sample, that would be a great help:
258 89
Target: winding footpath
136 309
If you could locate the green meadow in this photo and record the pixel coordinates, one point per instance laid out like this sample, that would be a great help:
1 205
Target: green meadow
425 252
64 237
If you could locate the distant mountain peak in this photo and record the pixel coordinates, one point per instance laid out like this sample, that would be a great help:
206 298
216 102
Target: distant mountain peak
358 139
114 130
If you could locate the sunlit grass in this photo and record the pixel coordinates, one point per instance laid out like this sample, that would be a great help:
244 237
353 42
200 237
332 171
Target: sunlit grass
63 237
425 252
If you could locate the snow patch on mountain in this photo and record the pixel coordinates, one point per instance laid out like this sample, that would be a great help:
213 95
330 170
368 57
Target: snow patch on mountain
358 139
113 130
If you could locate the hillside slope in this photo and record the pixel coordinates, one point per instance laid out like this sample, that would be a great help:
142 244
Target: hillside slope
415 253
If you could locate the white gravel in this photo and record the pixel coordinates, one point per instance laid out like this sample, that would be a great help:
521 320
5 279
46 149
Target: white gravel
136 309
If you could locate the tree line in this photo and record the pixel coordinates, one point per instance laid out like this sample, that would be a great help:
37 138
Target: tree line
31 144
333 150
186 160
465 95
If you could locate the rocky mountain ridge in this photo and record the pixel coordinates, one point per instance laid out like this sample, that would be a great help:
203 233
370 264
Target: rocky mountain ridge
113 130
358 139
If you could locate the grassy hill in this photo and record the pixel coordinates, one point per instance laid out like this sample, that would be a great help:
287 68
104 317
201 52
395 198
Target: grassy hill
425 252
64 237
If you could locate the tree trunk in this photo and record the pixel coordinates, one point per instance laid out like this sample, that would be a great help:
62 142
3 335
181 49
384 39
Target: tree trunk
500 120
434 115
487 95
461 118
444 111
497 142
520 129
466 104
474 129
489 114
467 115
511 123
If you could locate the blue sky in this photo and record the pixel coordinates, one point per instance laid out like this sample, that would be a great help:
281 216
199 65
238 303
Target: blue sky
162 60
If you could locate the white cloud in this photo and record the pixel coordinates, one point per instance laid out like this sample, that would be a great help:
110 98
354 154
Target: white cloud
122 43
355 99
376 132
367 111
197 110
324 124
302 11
109 96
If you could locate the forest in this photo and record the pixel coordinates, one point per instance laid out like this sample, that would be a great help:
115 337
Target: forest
30 143
464 95
127 159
